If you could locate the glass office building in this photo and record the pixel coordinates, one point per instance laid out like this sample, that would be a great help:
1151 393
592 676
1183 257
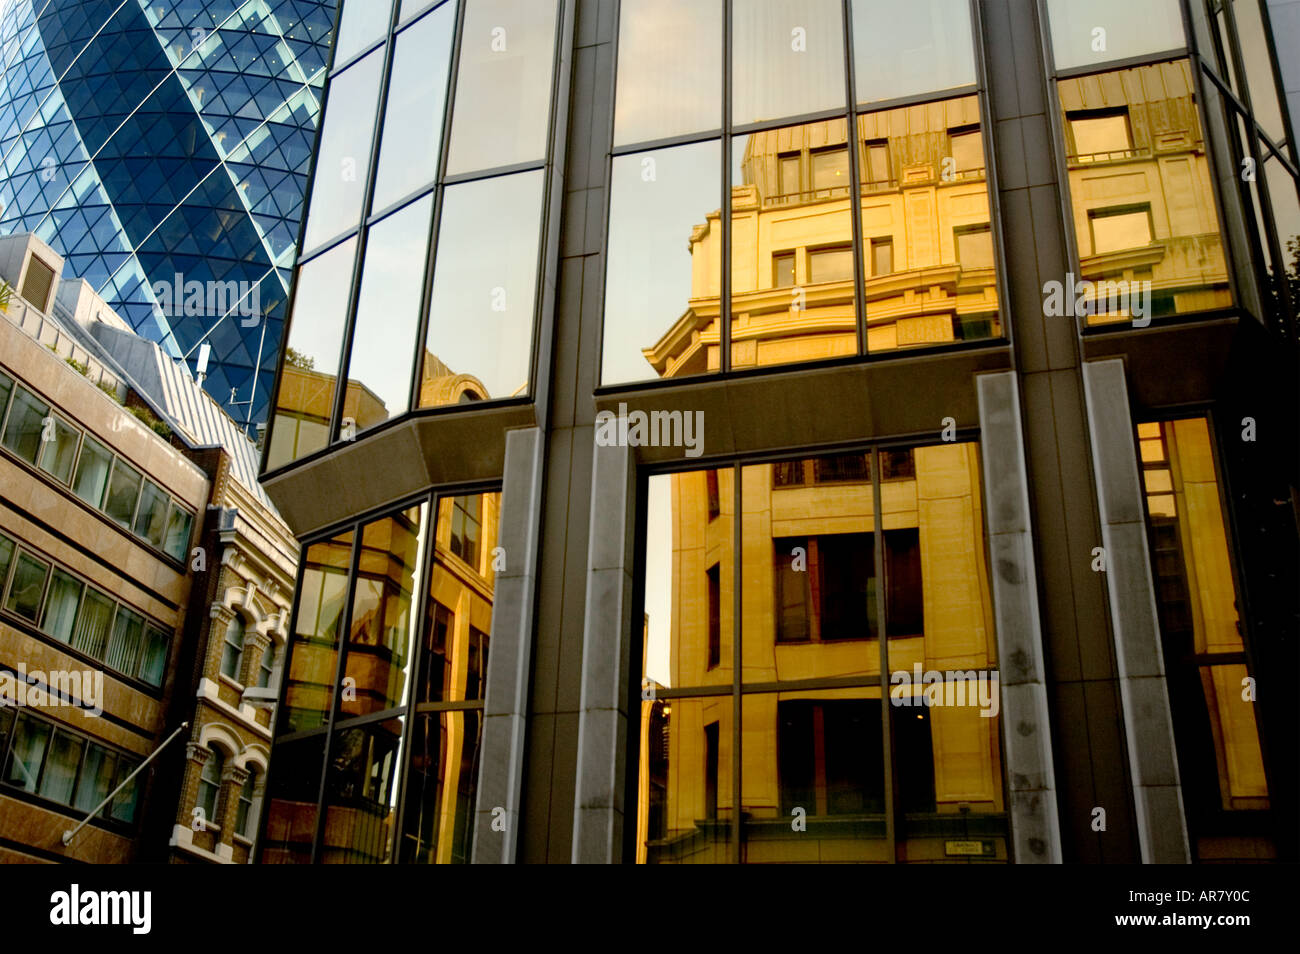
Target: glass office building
768 431
162 147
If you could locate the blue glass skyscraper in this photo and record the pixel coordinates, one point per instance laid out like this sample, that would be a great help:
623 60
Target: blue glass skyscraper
160 142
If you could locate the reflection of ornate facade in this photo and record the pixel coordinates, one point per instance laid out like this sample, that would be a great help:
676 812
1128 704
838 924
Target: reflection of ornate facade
1141 187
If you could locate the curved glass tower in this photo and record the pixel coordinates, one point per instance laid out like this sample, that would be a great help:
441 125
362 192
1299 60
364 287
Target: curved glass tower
162 147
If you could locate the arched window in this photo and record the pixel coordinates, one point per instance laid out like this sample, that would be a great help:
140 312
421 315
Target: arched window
233 650
266 667
210 784
244 817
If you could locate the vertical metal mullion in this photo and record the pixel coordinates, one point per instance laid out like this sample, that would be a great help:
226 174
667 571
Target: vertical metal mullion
855 184
416 655
345 623
724 309
886 722
737 661
435 219
363 229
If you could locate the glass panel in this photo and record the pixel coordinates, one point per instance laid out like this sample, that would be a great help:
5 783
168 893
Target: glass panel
361 794
90 636
232 648
338 184
902 49
179 524
96 778
411 137
59 449
313 648
126 802
503 88
123 489
6 554
153 661
125 643
6 388
771 325
293 790
361 23
669 74
815 758
484 287
664 271
927 193
1145 221
27 753
440 788
1106 30
379 644
458 618
61 606
151 517
388 317
92 471
787 58
27 586
60 776
305 400
26 425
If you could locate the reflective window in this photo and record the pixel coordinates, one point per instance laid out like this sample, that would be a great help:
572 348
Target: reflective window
292 800
343 151
123 489
1101 31
484 279
441 787
787 58
669 76
92 472
314 642
503 86
305 403
151 515
818 584
61 605
361 24
58 449
361 784
179 525
25 427
411 142
1140 185
27 586
664 254
1220 762
388 316
902 49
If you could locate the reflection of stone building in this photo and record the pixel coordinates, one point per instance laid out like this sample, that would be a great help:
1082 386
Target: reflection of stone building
1141 186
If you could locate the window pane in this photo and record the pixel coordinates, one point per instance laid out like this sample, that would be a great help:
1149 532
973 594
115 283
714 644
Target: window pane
123 489
441 787
787 58
126 802
923 210
90 635
243 814
503 88
305 401
1117 230
388 316
901 49
361 794
27 587
379 644
151 517
59 449
6 554
484 287
669 69
96 778
153 661
338 182
454 659
662 255
411 138
92 472
125 643
1258 61
179 524
313 648
61 606
361 23
61 767
26 425
975 248
803 324
232 648
1100 136
27 753
6 388
293 790
1126 29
